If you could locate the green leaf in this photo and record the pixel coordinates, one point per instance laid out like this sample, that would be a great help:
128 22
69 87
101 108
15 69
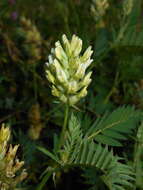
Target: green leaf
56 142
49 154
73 137
113 127
44 180
116 175
107 140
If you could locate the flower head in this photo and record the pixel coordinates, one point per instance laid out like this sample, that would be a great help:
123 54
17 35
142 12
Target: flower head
66 70
9 163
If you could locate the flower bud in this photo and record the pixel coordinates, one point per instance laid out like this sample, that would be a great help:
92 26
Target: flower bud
4 134
73 86
86 81
55 91
59 52
83 92
60 72
87 54
66 45
50 77
76 45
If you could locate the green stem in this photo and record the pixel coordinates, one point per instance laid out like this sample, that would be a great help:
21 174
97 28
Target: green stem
64 126
137 158
35 84
46 177
112 89
44 180
137 165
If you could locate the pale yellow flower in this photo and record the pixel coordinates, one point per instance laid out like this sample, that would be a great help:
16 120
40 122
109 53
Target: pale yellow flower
66 70
9 163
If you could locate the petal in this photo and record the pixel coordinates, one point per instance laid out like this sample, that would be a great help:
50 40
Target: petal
87 54
50 77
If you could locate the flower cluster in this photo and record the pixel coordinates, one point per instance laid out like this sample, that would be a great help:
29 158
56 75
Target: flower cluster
66 70
127 6
34 116
9 164
99 8
32 40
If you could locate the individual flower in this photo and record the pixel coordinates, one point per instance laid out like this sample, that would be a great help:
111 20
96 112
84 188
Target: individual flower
66 70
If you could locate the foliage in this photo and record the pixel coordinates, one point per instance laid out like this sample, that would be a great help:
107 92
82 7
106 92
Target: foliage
99 146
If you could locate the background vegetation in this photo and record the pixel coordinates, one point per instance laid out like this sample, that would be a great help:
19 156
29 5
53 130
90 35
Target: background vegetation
28 31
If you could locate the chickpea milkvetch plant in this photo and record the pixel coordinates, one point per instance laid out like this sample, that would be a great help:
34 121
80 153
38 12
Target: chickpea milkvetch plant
66 71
